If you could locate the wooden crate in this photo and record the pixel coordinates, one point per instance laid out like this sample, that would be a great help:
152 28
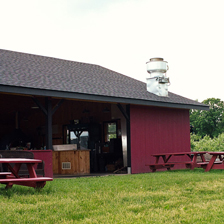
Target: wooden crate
79 159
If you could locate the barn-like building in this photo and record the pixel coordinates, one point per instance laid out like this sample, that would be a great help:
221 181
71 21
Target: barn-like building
83 118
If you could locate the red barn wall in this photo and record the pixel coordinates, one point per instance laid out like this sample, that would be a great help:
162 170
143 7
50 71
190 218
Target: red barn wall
47 157
157 130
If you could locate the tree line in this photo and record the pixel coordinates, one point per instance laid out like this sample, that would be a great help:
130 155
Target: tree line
207 127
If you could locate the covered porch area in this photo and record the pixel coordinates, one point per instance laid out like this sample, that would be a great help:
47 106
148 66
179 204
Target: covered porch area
85 136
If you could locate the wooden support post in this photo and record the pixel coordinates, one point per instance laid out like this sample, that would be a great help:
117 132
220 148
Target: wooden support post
126 114
48 104
128 139
48 111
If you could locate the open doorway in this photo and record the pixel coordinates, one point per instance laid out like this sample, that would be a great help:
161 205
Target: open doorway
110 156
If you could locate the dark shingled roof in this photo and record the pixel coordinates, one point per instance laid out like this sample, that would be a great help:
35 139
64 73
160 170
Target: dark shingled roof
45 73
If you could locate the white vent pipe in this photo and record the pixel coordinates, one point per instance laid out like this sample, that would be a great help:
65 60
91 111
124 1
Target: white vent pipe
156 81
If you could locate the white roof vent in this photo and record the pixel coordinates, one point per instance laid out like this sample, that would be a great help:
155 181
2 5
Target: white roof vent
156 81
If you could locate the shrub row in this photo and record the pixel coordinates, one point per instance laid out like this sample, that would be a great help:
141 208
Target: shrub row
206 143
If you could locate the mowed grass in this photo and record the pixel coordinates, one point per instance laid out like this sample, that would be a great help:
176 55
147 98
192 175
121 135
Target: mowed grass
182 196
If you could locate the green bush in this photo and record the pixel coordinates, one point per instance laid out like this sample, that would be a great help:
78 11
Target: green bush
207 143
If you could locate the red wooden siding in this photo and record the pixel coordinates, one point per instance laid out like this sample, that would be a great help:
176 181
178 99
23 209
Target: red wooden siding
157 130
46 156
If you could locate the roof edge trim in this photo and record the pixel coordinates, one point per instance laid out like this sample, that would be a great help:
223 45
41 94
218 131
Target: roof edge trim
82 96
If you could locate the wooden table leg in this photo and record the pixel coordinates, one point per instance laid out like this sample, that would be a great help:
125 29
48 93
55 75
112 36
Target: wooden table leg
202 158
31 169
211 162
194 161
8 186
166 159
14 169
40 184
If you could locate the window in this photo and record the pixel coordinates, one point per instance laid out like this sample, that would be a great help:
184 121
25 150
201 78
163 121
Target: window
83 139
110 130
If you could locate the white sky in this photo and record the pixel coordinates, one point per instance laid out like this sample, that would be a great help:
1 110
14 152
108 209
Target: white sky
123 35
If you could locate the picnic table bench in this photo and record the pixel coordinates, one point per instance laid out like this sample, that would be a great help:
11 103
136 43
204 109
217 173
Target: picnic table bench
36 182
13 177
191 161
3 175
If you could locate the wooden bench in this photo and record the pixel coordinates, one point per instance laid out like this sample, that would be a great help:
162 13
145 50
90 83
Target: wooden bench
154 167
204 164
37 182
167 165
22 154
3 175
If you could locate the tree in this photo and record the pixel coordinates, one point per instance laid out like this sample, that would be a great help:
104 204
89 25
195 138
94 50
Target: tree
209 122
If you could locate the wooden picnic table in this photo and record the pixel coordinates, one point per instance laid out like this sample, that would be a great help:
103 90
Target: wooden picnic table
191 161
12 177
213 163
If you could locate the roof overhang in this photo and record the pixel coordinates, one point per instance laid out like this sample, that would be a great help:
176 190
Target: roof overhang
91 97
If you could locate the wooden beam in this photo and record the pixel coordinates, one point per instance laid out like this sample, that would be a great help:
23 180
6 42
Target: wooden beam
39 105
127 117
57 106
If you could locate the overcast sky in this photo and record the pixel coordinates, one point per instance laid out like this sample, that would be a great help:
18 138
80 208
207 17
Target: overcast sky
123 35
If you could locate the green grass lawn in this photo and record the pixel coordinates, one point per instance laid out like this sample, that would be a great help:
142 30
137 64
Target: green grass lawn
182 196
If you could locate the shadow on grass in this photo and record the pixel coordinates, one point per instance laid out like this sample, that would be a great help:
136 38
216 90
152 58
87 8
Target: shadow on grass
196 170
23 190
